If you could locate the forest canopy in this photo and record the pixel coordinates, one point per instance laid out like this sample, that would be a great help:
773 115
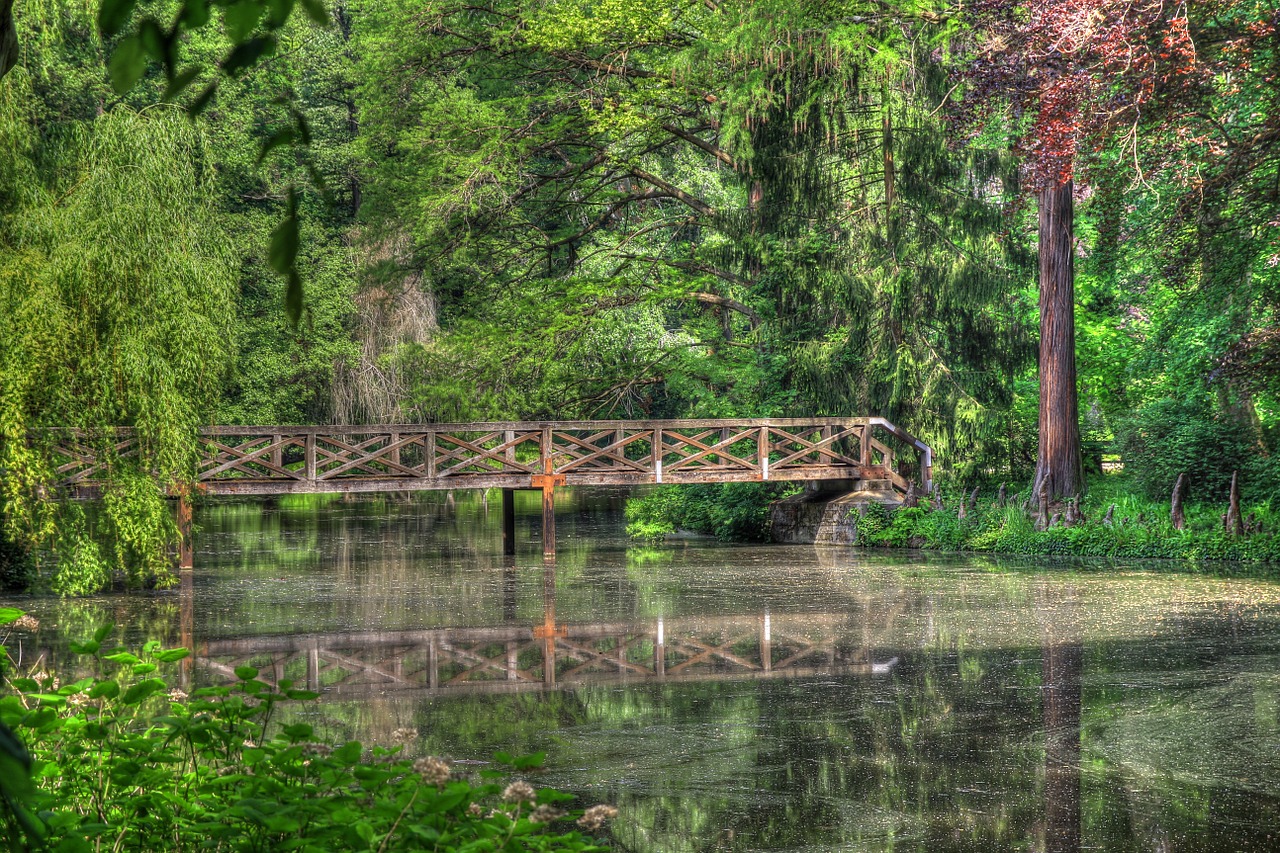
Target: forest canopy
514 210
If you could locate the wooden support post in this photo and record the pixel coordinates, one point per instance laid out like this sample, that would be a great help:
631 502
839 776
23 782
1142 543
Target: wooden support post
313 668
866 444
548 512
508 590
509 454
186 549
433 665
660 650
508 521
429 464
549 628
766 643
762 452
277 455
657 454
187 627
395 452
310 462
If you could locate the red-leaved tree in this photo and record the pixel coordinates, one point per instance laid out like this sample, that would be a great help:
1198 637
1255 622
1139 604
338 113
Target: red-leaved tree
1059 78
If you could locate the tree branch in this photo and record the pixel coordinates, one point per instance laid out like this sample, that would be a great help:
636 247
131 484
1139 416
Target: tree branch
692 201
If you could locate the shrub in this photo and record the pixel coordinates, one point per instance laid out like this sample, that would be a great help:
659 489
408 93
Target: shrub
728 511
122 761
1169 437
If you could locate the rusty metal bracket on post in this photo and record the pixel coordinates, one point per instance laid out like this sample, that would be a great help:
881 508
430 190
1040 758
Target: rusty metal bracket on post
547 481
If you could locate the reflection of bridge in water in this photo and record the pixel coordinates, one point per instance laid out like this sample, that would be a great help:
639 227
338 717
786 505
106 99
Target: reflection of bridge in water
510 657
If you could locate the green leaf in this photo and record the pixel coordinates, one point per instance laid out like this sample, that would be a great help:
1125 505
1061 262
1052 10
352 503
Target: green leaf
301 694
278 12
103 630
127 64
299 732
154 42
195 14
502 757
126 658
87 648
241 19
105 689
527 762
247 53
304 128
202 101
171 655
348 753
284 136
142 690
316 11
113 15
246 673
293 298
9 614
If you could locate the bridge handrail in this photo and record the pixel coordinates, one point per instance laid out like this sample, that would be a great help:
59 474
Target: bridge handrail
368 457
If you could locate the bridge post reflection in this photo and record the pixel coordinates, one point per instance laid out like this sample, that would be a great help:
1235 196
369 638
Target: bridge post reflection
508 656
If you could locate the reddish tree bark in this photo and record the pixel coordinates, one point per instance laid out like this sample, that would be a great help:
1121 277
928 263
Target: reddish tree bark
1058 464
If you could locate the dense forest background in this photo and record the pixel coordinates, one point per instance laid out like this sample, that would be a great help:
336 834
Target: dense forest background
525 210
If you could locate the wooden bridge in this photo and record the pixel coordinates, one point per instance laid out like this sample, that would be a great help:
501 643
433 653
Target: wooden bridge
274 460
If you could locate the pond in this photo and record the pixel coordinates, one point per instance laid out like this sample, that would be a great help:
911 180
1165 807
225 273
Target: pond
751 698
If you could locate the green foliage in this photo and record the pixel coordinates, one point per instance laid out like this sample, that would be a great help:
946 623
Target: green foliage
1169 437
728 511
108 320
118 757
1140 529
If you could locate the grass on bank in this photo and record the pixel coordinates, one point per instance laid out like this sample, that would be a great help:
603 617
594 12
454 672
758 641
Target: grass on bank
1139 527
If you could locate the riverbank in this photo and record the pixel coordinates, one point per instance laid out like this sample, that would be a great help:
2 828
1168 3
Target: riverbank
1117 523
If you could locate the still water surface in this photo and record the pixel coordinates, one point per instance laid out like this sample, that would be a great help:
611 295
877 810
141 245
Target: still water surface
752 698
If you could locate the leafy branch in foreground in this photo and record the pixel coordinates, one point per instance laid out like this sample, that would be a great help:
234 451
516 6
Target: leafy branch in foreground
119 759
144 36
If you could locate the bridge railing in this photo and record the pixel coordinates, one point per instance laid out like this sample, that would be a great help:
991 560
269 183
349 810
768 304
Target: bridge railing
390 457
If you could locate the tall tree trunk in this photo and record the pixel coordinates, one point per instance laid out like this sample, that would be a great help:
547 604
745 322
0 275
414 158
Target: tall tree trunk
1058 465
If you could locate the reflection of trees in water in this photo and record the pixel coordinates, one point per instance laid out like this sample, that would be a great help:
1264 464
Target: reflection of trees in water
973 742
922 758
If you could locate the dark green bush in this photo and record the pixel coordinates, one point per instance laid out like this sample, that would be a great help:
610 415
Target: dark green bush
728 511
1169 437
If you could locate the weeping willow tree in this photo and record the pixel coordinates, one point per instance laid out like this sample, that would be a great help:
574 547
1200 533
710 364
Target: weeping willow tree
115 293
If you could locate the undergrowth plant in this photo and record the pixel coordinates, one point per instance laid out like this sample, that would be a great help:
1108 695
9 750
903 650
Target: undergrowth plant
114 758
1138 527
